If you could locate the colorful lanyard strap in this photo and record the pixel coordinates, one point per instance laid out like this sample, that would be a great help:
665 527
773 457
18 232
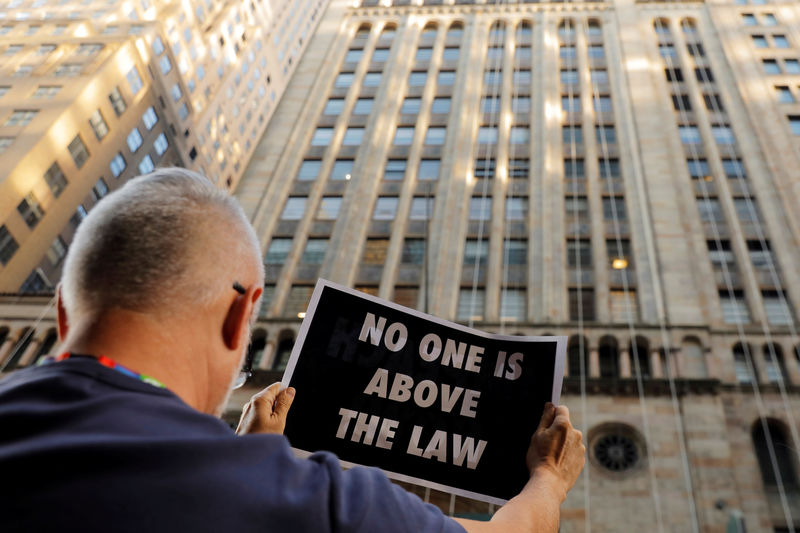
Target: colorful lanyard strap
107 362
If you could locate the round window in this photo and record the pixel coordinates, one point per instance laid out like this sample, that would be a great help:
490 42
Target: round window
616 448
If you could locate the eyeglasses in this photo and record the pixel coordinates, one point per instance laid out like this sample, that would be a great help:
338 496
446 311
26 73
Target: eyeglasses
247 369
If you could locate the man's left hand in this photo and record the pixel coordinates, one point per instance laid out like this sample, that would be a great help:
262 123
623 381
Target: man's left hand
266 411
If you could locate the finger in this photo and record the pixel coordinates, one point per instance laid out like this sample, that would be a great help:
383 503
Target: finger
548 415
284 402
266 398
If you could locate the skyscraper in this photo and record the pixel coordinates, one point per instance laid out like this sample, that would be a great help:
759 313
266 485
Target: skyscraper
90 97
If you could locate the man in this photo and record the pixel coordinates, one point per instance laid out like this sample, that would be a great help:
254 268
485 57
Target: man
122 433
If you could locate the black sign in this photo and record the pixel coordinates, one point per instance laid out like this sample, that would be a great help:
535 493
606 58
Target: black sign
426 400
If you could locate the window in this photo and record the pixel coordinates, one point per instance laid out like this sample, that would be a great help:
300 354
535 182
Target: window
21 117
572 134
446 77
780 41
770 66
403 135
619 249
334 106
353 136
309 170
385 208
609 168
581 304
492 77
440 106
146 165
342 169
25 70
681 102
490 104
428 169
380 55
487 135
176 93
710 210
623 305
450 53
598 76
5 142
480 208
576 206
98 124
579 254
518 168
674 74
606 135
570 104
413 252
515 251
602 104
759 41
723 135
329 208
698 168
78 151
100 189
485 168
117 102
410 106
150 118
521 77
165 65
314 253
424 54
769 19
183 111
435 136
614 208
8 245
363 106
567 51
666 50
158 45
294 208
117 165
278 251
516 208
495 54
749 19
689 134
57 251
417 79
344 79
521 104
512 304
46 91
161 144
573 168
296 302
395 169
743 364
784 94
470 304
794 124
734 307
421 208
353 56
720 254
519 135
134 80
792 66
134 140
322 137
776 439
4 90
777 308
30 210
734 168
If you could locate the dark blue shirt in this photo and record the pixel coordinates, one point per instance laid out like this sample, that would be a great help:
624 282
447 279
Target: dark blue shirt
84 447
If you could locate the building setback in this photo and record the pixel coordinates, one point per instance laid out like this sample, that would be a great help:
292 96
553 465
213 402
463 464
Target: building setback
623 173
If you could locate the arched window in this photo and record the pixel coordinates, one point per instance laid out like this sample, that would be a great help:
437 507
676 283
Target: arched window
429 31
47 345
256 349
608 353
524 31
774 366
593 29
689 26
640 353
566 30
497 34
772 434
577 360
21 343
388 32
694 363
284 351
3 335
667 371
662 27
743 364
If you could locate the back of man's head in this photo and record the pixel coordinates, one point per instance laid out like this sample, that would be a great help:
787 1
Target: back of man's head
166 242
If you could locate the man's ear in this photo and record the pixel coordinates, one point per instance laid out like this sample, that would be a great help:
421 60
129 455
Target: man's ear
234 329
63 322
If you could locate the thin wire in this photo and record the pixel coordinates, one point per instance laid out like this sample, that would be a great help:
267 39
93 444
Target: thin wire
633 350
24 339
568 24
694 51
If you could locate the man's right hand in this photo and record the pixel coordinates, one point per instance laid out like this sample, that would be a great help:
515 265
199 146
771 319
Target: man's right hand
556 447
266 411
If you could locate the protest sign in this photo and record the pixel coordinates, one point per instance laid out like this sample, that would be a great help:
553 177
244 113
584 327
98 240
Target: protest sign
428 401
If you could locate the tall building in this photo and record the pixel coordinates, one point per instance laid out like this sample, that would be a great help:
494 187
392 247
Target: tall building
93 96
623 173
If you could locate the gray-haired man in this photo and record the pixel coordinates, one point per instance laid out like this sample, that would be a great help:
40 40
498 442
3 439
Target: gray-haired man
120 433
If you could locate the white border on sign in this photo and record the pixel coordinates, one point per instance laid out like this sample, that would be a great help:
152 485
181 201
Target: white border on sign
558 372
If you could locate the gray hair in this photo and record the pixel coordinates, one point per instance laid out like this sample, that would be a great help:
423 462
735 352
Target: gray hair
165 241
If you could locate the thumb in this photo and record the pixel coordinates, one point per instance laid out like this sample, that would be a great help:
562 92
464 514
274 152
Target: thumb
284 402
548 415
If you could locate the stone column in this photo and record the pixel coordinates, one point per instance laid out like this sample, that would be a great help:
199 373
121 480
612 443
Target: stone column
5 349
624 364
30 352
594 363
656 369
266 357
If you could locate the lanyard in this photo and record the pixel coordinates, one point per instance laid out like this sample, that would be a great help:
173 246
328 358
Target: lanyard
107 362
